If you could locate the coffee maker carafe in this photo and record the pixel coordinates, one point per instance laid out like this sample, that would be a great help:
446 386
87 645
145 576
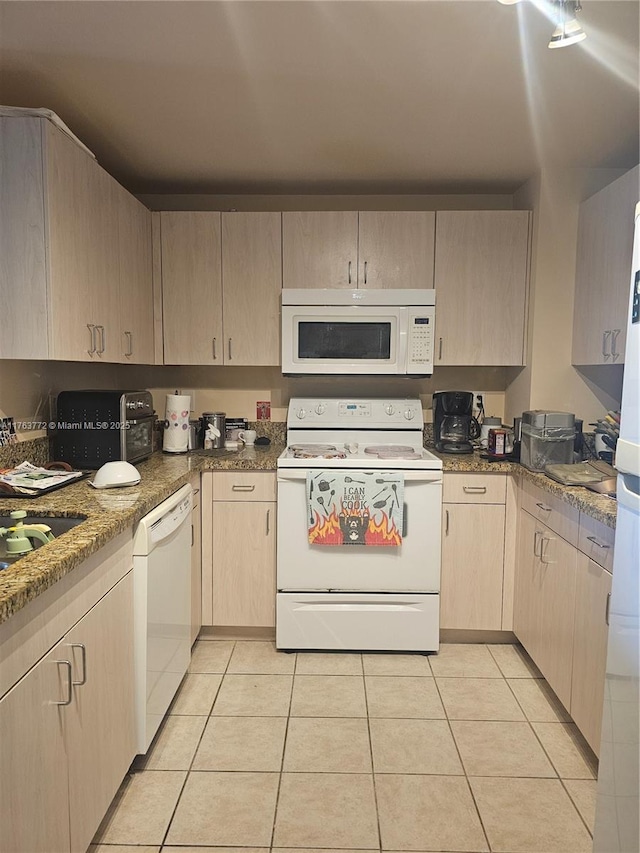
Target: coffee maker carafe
453 423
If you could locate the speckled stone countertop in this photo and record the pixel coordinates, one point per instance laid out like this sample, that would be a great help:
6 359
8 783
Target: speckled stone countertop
112 511
108 512
597 506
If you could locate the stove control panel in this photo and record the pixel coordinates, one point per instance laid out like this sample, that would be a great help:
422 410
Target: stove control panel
347 413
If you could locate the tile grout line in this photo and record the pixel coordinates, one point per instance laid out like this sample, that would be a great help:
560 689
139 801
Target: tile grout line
373 773
195 752
464 769
284 749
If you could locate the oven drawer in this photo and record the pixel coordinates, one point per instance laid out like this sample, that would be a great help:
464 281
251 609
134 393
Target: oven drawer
244 486
460 488
358 622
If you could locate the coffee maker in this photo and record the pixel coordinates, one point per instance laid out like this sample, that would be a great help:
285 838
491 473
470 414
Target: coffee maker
453 423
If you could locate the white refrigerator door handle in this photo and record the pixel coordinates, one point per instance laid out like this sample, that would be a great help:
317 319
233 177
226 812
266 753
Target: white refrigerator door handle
628 491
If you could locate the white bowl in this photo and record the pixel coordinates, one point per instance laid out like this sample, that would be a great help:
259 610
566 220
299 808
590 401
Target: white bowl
115 474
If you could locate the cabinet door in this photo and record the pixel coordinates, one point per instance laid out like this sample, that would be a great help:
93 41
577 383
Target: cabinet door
196 569
320 249
481 271
525 605
396 249
251 282
83 253
603 272
191 288
100 730
136 280
593 588
34 799
472 566
244 577
555 593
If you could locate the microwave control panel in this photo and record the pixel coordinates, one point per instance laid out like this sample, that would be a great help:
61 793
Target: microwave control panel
420 342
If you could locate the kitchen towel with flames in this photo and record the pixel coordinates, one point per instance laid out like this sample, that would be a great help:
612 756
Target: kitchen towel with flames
355 507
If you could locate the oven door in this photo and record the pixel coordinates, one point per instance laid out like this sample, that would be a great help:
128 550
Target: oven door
348 339
412 567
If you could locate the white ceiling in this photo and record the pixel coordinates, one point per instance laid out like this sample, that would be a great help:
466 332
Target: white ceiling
375 96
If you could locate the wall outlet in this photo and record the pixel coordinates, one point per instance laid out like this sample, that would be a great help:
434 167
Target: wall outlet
190 392
479 405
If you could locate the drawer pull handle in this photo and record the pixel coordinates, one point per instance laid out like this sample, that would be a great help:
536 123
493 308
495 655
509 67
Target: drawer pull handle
607 608
66 701
83 652
599 544
268 520
475 490
446 522
236 488
543 507
440 349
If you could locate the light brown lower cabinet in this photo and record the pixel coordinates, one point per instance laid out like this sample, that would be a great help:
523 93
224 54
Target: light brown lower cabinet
239 549
68 732
472 566
593 590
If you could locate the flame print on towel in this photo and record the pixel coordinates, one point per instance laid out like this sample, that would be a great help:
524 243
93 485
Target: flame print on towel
355 508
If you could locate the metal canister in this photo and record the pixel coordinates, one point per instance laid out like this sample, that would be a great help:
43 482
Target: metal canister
216 437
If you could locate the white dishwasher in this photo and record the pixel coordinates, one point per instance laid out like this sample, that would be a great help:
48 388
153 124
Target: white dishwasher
162 608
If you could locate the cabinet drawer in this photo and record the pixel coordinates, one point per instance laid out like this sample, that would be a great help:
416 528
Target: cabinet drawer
595 540
562 518
459 488
244 486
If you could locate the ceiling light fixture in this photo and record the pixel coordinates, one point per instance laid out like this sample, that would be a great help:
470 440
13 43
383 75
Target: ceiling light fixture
568 30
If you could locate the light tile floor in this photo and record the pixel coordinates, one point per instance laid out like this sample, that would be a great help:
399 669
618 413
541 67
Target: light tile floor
463 752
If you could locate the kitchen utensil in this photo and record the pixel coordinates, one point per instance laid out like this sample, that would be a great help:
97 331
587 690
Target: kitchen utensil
350 480
324 485
380 504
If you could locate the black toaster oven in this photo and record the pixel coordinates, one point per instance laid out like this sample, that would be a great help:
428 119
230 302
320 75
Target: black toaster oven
95 427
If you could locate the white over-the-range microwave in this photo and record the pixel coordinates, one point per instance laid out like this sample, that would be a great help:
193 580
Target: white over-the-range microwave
366 332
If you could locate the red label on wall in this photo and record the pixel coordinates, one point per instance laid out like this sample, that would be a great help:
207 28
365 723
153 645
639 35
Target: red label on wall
263 410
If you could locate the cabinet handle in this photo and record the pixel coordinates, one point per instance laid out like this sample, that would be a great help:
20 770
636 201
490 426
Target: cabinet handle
446 522
92 332
237 488
215 357
475 490
268 520
599 544
536 543
440 348
543 507
605 336
607 608
193 537
129 352
365 272
83 652
543 550
349 272
229 349
102 339
614 340
66 701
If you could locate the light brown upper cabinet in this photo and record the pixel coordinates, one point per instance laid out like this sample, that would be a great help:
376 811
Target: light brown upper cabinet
60 246
603 272
251 285
191 288
221 281
481 276
136 280
347 249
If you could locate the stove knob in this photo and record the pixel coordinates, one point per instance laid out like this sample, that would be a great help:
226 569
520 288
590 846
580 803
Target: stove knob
301 414
409 414
389 409
320 409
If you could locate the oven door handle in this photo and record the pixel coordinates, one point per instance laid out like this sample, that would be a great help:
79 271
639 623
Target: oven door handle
427 477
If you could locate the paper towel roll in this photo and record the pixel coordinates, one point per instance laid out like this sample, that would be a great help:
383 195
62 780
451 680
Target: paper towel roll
176 424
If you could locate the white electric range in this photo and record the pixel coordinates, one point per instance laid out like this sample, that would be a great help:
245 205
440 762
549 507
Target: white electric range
357 597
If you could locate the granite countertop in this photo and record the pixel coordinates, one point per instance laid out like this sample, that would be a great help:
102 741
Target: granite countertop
597 506
108 512
112 511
